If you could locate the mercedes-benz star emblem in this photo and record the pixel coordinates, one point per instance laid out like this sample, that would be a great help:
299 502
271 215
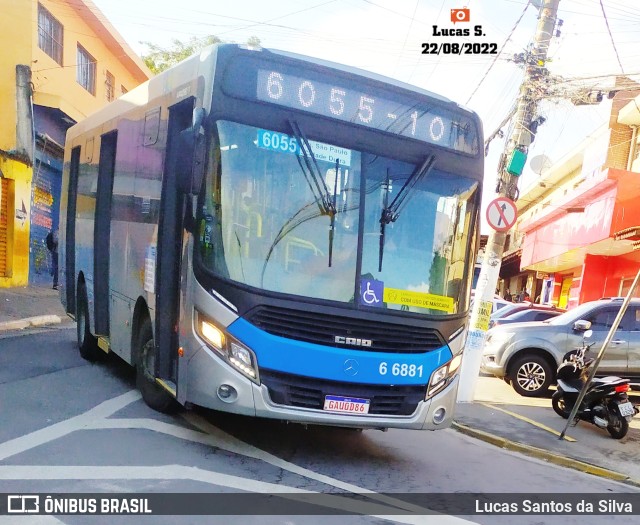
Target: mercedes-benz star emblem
351 367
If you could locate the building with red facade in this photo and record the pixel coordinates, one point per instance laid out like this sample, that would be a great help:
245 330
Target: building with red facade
579 227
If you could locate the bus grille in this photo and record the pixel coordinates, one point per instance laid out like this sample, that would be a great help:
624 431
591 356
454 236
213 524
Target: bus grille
322 329
307 392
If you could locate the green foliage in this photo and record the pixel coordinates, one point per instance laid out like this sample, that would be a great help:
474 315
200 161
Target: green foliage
158 59
253 41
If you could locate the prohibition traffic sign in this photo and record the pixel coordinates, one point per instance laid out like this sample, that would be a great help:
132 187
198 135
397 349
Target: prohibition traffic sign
501 214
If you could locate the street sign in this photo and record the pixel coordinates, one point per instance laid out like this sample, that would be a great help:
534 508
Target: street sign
502 214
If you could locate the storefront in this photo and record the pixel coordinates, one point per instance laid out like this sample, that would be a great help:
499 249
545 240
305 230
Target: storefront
588 244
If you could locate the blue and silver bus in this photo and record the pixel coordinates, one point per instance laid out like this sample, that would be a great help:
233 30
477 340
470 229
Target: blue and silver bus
273 235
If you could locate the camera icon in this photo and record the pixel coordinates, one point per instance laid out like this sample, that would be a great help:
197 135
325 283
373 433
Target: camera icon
460 15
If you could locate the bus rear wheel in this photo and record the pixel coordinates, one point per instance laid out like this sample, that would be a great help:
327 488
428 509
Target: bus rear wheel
152 393
87 343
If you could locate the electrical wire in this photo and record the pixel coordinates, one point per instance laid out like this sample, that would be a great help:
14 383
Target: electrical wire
439 56
582 13
404 43
499 53
281 17
613 43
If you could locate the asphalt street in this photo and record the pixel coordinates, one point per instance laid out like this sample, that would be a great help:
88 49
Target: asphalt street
71 426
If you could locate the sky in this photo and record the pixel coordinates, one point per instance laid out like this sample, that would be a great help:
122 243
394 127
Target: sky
386 37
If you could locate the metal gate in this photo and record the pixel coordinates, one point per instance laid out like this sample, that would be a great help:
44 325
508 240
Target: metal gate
45 208
4 226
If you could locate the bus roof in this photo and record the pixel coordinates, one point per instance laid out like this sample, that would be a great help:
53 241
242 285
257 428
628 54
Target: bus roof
367 74
191 67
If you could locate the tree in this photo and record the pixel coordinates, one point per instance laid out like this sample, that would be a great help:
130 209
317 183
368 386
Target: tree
158 59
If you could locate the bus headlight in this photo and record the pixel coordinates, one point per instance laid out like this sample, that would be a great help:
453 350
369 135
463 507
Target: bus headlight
233 352
212 334
443 375
242 359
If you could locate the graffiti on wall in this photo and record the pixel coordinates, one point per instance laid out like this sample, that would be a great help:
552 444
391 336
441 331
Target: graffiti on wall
45 202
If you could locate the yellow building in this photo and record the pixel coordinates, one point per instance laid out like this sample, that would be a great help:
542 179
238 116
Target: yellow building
60 60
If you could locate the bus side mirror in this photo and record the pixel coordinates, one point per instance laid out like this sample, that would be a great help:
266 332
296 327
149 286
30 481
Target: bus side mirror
191 155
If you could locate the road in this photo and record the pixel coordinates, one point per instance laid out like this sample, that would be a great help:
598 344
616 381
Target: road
72 426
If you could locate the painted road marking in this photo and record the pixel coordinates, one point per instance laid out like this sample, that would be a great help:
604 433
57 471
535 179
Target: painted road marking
183 472
530 421
30 520
63 428
98 418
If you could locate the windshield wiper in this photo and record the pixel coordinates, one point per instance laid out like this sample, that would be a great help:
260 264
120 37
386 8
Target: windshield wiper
391 212
312 173
316 181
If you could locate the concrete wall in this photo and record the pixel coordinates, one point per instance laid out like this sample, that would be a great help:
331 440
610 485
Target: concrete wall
54 86
15 27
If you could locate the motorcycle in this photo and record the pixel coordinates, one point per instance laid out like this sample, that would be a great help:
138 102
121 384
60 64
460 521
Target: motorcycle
605 404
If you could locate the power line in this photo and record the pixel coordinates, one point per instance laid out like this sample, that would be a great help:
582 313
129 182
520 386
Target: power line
499 53
280 17
439 56
606 21
413 16
394 12
582 13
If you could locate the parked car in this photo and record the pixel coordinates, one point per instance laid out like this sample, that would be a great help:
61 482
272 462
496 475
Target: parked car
528 354
523 312
529 315
498 303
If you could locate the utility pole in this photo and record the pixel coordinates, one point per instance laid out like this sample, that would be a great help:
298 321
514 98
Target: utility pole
510 168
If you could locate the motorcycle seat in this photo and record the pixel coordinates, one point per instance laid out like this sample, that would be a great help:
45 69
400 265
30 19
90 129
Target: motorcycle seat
610 380
570 386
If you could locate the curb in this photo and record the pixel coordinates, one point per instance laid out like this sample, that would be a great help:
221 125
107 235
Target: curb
544 455
21 324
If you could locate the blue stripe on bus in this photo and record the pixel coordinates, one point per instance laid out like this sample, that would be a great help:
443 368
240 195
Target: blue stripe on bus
337 364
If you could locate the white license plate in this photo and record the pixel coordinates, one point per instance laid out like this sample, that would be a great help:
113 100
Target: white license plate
626 409
346 405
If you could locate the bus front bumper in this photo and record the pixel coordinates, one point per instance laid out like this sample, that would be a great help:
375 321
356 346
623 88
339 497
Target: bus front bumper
207 374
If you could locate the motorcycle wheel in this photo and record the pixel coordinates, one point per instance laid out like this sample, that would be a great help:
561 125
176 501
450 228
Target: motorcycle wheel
619 426
559 405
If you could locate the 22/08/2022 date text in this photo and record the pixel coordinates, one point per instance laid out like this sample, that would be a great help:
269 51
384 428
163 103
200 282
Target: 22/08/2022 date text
456 48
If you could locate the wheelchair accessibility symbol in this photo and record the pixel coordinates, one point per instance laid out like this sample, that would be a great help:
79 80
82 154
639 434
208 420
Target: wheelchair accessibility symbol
371 292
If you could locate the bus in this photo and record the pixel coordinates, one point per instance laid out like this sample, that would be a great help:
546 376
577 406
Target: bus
278 236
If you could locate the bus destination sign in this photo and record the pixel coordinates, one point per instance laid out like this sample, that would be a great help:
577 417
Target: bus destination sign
431 124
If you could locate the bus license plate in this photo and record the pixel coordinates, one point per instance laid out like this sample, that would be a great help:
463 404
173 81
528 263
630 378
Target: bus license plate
347 405
626 409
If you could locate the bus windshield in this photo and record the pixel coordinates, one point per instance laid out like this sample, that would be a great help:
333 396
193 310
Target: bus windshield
275 217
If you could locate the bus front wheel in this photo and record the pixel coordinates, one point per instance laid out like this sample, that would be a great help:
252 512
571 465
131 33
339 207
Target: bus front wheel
152 393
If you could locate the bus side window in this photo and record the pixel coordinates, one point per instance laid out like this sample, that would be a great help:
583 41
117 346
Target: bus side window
151 126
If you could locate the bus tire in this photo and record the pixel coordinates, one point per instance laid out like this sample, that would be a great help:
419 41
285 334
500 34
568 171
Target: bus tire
87 342
152 393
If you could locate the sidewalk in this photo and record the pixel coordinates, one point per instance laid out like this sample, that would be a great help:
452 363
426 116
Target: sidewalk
529 426
30 306
498 415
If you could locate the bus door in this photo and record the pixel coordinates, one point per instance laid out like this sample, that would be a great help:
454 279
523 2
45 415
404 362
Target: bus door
169 248
70 232
102 232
